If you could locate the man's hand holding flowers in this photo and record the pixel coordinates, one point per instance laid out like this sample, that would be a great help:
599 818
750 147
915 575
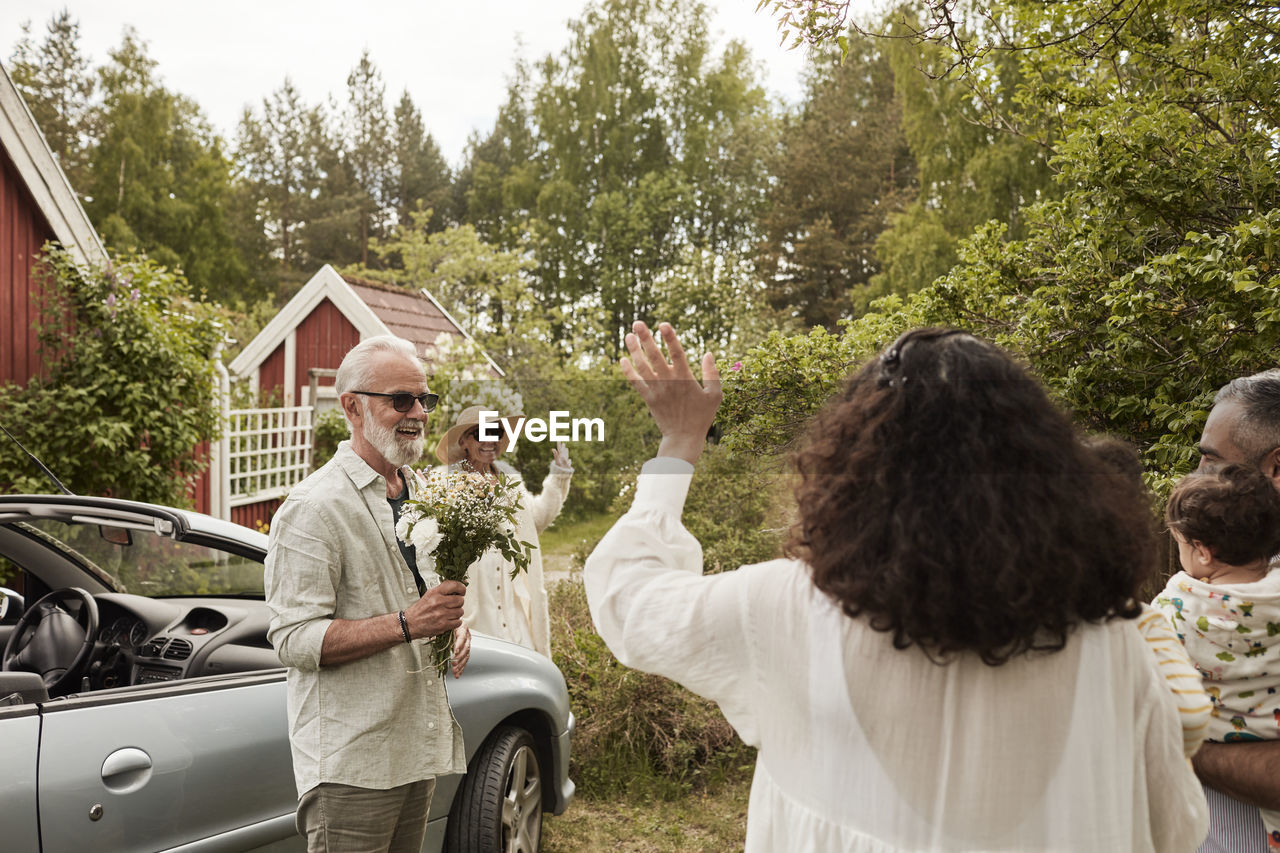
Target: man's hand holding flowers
439 613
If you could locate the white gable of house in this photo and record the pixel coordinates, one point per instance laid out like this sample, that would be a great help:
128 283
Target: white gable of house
326 284
27 149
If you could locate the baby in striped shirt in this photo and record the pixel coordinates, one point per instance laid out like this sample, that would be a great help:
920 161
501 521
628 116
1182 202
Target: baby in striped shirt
1224 605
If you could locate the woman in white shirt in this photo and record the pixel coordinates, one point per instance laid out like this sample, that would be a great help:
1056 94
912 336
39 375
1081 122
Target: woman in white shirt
497 604
950 663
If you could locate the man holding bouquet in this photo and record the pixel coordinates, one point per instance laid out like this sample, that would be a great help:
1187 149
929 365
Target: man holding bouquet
369 721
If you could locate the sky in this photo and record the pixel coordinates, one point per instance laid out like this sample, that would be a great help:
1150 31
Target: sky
455 58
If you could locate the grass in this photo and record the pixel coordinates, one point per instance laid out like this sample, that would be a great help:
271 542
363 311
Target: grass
658 770
564 537
711 821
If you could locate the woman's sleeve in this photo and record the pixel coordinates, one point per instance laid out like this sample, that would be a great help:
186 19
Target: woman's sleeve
555 488
659 614
1179 677
474 599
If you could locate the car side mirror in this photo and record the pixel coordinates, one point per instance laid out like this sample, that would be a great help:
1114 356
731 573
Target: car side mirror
10 600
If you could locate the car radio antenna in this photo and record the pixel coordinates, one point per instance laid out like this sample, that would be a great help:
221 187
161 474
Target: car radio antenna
39 464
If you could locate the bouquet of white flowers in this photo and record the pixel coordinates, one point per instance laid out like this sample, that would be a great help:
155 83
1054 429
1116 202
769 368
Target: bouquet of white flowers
453 516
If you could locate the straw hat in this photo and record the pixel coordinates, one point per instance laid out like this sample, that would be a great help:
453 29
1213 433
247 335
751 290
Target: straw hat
449 450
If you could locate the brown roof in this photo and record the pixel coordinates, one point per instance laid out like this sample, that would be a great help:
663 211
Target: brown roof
409 315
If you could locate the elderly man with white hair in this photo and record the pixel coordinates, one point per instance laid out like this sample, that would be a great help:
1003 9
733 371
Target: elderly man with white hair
369 721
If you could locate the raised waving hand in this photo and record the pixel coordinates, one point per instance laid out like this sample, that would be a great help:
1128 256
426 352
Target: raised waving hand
681 406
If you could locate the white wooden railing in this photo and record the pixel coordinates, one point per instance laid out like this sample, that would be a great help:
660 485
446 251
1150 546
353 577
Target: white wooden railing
267 451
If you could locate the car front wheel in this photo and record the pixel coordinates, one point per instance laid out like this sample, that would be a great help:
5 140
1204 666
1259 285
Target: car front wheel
498 808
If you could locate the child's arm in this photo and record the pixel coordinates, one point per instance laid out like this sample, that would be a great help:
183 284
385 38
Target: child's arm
1183 680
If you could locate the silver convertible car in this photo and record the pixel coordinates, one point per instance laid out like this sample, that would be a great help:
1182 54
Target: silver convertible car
142 708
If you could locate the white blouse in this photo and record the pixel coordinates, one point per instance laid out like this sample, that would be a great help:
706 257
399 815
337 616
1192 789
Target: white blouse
863 747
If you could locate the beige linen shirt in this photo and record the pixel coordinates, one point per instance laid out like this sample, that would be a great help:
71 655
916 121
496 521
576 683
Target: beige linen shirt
377 722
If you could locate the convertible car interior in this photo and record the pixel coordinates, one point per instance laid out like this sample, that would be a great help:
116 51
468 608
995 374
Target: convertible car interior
116 600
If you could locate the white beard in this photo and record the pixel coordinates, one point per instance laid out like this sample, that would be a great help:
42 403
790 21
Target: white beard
394 448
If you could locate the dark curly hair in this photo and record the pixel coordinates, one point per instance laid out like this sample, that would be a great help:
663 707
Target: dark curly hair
945 499
1120 457
1233 509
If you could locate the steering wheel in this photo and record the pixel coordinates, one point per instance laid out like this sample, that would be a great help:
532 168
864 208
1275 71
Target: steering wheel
51 642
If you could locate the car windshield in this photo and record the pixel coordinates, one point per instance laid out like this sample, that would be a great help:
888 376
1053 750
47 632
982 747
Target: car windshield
147 563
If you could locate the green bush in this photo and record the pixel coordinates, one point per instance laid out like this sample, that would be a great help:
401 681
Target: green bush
737 508
602 468
637 735
128 394
330 429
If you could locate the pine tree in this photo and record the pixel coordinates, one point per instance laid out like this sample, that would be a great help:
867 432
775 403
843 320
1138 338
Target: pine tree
420 175
842 171
369 154
158 181
55 82
278 155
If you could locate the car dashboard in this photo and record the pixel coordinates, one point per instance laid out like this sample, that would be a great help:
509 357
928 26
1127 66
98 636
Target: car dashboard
148 640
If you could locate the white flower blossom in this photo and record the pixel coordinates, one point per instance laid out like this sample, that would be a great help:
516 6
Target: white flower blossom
425 535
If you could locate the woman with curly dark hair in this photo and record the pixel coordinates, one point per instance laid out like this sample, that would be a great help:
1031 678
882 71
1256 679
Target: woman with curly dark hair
948 661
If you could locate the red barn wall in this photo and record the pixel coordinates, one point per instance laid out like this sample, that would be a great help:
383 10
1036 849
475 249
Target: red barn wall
320 340
250 514
23 230
271 378
200 489
323 337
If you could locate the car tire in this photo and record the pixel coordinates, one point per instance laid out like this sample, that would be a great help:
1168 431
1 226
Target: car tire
498 807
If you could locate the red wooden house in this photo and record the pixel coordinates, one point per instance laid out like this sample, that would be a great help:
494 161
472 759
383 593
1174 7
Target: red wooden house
36 205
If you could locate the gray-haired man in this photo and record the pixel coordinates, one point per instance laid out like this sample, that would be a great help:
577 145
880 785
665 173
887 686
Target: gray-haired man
369 722
1244 427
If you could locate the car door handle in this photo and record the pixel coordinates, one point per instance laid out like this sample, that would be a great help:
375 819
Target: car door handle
126 770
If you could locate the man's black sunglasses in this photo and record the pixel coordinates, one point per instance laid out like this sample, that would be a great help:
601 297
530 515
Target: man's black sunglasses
402 401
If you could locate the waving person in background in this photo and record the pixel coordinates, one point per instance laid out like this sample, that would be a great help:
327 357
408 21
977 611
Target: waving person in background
497 604
951 663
